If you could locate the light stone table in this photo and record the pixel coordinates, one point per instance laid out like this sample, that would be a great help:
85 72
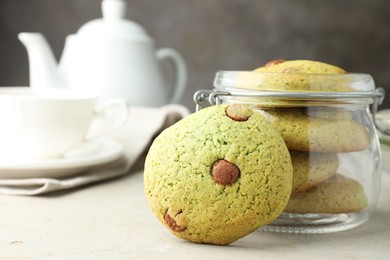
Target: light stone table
112 220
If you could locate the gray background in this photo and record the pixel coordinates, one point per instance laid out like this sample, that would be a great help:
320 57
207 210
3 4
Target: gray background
217 35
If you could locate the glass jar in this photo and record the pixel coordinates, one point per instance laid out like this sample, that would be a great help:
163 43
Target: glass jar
326 123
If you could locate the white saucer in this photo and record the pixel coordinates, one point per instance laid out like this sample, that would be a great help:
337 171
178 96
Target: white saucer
79 159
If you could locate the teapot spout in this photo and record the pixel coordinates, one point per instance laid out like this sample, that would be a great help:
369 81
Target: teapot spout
44 72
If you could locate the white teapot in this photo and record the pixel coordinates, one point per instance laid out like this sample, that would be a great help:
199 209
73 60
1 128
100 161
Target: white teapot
112 57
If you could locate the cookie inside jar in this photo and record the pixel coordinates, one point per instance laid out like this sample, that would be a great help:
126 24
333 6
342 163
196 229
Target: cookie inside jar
320 141
322 113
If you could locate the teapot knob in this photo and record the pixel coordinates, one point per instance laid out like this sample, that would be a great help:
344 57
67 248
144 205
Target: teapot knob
113 9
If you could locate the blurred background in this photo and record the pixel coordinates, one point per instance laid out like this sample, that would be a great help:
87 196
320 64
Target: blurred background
217 35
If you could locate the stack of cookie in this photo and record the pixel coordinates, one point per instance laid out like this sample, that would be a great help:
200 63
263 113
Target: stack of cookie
315 136
221 173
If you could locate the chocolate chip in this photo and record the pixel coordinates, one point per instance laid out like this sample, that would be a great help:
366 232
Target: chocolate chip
238 112
273 62
224 172
172 223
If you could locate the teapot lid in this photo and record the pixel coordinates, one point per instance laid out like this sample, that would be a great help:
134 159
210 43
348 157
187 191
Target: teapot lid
113 24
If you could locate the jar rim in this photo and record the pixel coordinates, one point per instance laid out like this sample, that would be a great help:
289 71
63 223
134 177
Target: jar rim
293 82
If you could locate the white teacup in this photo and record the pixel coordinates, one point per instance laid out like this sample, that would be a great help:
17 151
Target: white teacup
46 124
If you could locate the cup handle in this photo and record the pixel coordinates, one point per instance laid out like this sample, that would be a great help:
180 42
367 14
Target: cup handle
100 111
180 71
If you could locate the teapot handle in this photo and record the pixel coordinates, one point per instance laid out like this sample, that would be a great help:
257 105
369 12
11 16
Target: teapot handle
180 71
